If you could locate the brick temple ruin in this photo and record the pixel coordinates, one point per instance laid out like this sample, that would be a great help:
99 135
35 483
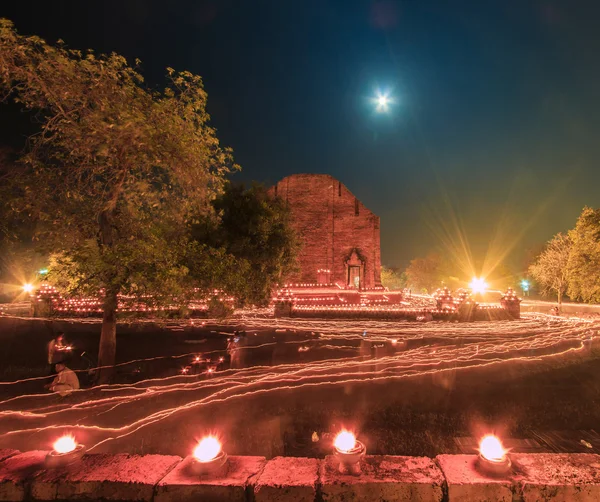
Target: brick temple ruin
339 235
339 262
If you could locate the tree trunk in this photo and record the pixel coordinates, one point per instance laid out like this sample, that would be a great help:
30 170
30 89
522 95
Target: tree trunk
560 295
108 337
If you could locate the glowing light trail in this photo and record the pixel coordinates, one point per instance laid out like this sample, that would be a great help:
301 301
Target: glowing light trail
113 412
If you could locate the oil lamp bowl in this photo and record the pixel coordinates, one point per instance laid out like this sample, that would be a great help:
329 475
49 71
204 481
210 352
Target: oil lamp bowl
350 459
216 465
55 459
494 467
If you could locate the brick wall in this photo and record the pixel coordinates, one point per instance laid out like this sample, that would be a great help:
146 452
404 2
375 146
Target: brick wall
158 478
331 223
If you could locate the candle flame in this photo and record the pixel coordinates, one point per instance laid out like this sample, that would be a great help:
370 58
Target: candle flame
65 444
207 449
345 441
491 448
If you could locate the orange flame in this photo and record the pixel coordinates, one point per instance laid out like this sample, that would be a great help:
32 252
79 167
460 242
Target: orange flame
345 441
491 448
207 449
64 444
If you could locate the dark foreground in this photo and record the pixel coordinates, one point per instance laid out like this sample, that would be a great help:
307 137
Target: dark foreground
406 389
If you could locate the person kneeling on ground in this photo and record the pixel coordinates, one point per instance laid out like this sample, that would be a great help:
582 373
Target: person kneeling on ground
65 382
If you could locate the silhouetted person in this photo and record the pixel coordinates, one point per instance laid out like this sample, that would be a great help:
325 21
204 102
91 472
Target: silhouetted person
57 350
65 382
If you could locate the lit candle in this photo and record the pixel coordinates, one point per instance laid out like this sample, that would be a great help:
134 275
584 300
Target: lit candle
493 459
207 449
64 444
209 457
345 441
65 451
491 448
349 452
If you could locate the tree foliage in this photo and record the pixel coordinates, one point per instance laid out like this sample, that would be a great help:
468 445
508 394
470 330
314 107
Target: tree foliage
392 279
584 259
115 171
426 274
250 246
551 268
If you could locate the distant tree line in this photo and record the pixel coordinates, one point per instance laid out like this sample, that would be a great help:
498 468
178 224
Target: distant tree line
570 263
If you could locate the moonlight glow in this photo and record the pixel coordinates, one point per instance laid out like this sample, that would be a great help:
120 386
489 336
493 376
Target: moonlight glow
383 102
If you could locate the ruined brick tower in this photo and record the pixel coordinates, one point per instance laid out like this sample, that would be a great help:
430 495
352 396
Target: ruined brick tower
339 235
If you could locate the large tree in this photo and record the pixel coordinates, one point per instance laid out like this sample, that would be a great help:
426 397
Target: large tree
392 279
551 268
584 260
427 274
250 245
114 172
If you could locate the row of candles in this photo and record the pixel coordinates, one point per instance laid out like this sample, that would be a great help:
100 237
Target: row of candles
208 457
94 304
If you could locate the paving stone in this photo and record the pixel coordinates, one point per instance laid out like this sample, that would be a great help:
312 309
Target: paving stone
559 477
466 483
383 478
182 485
286 479
7 452
16 470
102 476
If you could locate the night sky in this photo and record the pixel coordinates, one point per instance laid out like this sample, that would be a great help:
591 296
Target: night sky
495 123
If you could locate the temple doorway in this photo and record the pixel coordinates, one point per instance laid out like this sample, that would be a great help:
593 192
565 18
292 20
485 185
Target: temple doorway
355 271
354 279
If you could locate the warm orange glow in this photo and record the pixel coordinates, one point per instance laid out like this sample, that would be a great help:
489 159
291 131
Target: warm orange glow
491 448
28 287
65 444
345 441
207 449
478 285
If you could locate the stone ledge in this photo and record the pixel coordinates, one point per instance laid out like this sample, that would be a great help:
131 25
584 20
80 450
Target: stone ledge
5 453
182 485
464 481
288 479
573 477
160 478
383 478
560 476
106 477
16 473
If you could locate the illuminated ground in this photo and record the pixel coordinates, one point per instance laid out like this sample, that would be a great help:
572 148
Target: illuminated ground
407 387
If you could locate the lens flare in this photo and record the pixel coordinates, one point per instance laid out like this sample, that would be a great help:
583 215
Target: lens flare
207 449
64 444
491 448
478 285
345 441
28 287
